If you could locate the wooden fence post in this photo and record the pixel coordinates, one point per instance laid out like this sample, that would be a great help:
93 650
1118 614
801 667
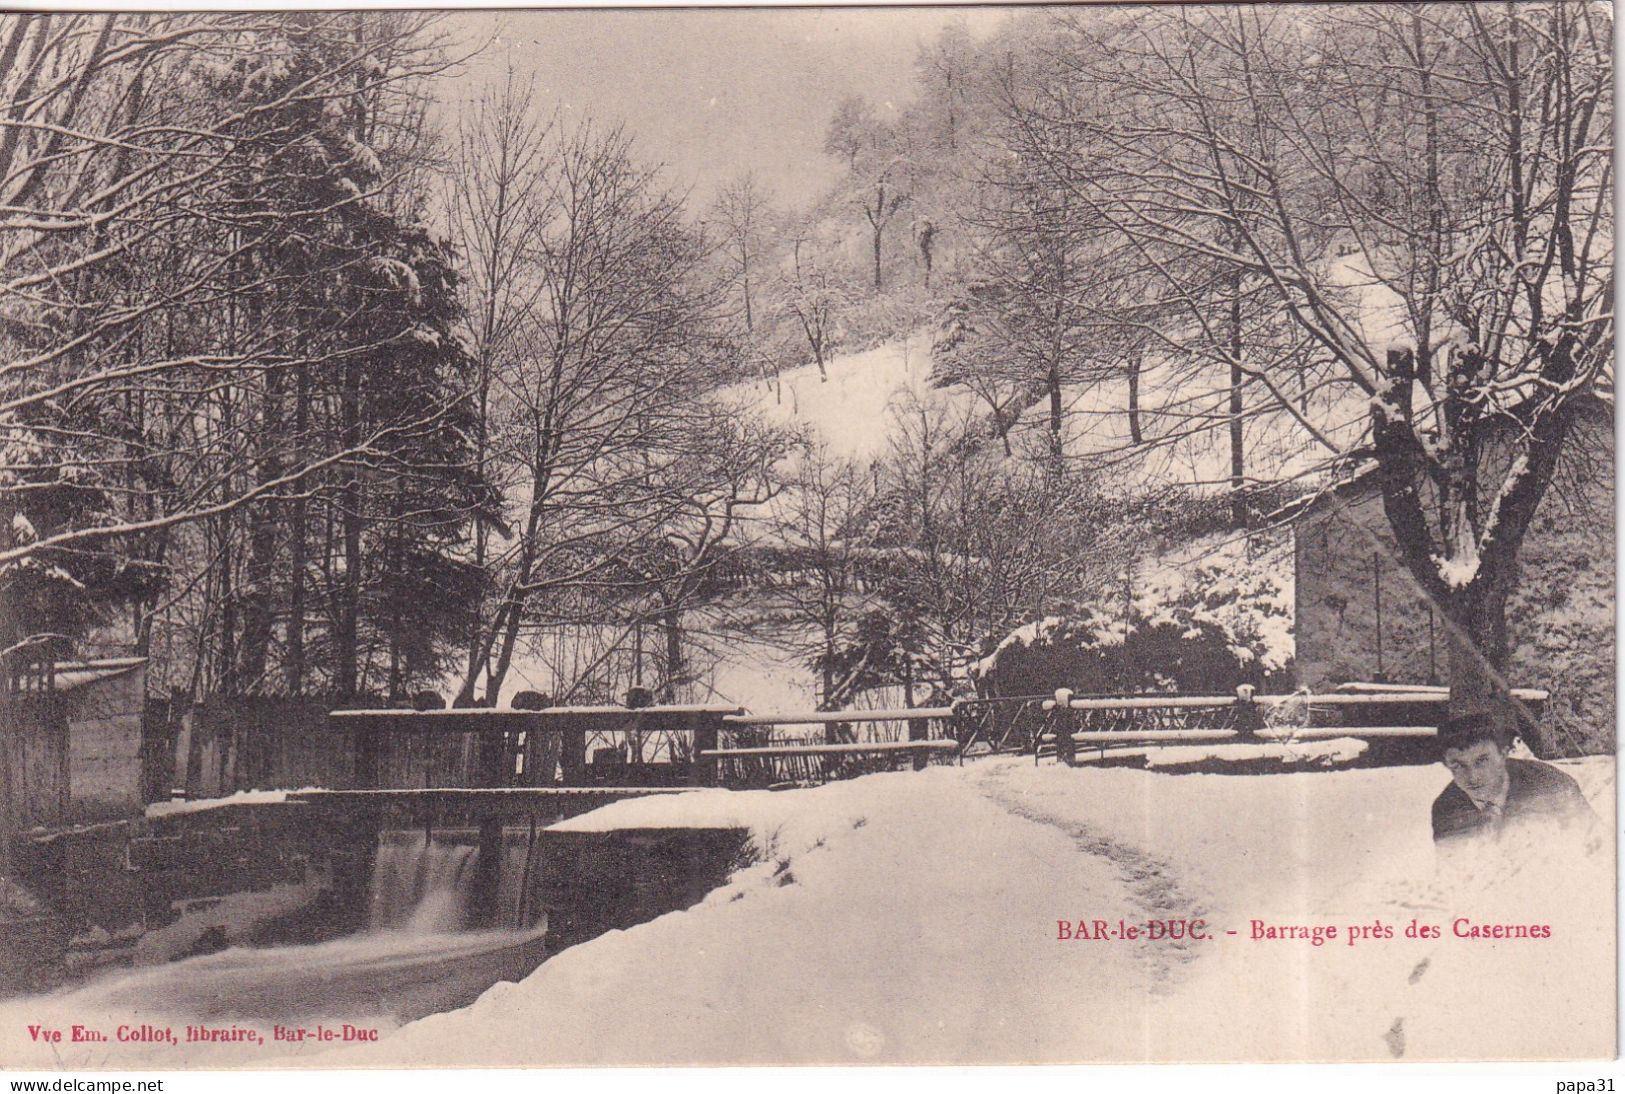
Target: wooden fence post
1249 718
919 729
573 750
1061 720
707 731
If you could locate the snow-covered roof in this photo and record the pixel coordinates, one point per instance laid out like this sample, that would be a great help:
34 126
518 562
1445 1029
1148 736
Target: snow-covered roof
1356 482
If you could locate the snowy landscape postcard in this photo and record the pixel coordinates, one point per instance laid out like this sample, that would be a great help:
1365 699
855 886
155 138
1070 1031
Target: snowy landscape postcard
902 535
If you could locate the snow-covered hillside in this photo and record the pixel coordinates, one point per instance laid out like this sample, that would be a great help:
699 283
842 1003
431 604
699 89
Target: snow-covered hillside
914 918
852 410
1182 417
1185 434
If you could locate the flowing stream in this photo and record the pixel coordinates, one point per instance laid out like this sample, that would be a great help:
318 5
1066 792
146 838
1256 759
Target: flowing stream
415 958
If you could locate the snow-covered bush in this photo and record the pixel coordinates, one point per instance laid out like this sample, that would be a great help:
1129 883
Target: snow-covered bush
1202 619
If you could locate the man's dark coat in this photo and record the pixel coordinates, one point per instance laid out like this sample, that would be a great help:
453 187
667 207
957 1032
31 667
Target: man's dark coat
1535 791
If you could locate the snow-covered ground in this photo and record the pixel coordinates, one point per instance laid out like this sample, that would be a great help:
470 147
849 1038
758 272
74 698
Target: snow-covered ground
852 411
914 918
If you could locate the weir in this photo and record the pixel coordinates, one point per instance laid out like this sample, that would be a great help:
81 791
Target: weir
371 908
409 944
423 871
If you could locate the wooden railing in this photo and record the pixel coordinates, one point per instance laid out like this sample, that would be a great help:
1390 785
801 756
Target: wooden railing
1160 720
754 751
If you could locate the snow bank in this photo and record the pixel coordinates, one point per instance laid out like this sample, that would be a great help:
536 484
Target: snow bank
1242 586
1022 636
1338 750
761 811
241 797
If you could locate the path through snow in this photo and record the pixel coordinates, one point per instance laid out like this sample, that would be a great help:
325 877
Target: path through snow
1150 885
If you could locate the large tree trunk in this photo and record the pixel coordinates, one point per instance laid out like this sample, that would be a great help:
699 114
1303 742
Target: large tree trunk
672 623
505 637
395 563
482 531
1476 641
1052 383
1052 377
347 640
226 639
1481 568
877 222
826 692
226 649
259 613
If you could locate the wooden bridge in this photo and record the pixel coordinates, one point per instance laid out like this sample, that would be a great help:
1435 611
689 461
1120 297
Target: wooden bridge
661 746
487 771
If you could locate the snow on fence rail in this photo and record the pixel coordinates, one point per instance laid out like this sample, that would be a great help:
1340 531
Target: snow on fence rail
1105 735
938 745
1330 699
1118 725
1290 734
838 717
754 756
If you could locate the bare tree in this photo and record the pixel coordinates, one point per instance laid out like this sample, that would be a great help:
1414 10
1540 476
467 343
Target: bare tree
498 195
813 604
973 545
743 211
724 474
1425 194
876 159
813 295
606 376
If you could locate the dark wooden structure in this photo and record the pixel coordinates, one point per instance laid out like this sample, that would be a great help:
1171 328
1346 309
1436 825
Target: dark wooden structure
556 746
824 745
73 740
484 762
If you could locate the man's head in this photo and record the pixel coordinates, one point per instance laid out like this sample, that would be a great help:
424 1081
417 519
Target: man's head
1474 748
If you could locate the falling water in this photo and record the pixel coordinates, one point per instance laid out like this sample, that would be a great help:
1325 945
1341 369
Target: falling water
415 958
419 884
